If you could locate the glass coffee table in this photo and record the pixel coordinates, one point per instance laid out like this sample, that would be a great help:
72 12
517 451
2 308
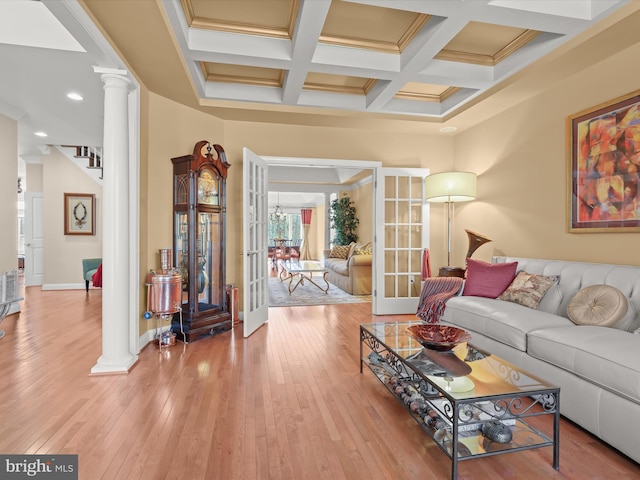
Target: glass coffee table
300 272
470 402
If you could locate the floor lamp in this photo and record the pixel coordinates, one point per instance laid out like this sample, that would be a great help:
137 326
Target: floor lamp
449 188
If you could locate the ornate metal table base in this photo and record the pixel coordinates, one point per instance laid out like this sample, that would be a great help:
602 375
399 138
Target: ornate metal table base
302 276
493 418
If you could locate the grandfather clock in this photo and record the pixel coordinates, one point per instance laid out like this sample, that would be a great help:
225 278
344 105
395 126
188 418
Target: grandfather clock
199 215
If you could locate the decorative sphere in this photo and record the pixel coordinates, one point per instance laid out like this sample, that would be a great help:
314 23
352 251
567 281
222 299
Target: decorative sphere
148 315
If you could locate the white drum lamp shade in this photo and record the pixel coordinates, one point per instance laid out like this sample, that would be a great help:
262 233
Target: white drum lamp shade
450 187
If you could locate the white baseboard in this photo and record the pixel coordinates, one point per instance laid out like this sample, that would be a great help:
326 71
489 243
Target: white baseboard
63 286
149 336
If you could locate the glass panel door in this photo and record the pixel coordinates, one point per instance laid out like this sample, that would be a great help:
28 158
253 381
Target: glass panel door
256 301
402 225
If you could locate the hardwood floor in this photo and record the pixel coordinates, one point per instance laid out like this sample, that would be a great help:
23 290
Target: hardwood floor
286 403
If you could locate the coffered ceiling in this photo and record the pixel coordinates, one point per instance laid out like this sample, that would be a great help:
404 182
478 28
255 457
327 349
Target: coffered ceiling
400 64
403 57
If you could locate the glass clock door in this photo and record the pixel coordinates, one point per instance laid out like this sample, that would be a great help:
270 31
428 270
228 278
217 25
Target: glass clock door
181 260
209 261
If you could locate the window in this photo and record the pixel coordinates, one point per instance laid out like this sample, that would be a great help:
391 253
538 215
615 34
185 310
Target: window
289 228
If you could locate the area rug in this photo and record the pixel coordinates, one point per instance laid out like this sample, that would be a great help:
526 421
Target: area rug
308 294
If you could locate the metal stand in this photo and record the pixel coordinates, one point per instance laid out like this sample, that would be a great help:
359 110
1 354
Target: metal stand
4 309
8 291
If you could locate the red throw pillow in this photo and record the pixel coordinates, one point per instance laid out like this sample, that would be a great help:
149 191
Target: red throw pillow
488 279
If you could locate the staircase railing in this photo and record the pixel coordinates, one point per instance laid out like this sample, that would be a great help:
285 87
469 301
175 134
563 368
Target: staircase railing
93 154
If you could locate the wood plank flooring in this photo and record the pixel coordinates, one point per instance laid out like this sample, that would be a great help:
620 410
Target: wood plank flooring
286 403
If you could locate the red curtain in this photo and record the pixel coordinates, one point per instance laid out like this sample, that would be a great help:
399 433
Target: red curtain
306 216
305 251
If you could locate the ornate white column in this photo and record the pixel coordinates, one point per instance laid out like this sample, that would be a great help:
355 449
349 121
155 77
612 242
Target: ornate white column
116 352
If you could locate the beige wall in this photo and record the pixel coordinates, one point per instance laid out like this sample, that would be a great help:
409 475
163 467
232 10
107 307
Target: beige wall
174 129
362 199
63 254
520 157
34 177
173 132
8 194
391 147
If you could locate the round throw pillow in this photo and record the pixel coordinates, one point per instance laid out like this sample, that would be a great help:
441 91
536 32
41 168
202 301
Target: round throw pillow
601 305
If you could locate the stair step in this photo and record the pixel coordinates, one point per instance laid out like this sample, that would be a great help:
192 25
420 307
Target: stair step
93 154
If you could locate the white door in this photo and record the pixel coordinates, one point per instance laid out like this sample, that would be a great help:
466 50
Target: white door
33 239
256 295
402 232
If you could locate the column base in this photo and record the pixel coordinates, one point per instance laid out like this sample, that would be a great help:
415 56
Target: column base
103 367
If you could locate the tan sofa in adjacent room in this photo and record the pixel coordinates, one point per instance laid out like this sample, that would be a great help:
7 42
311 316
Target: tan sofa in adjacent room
350 267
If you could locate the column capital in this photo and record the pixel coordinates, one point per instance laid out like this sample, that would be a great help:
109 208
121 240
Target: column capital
113 76
111 71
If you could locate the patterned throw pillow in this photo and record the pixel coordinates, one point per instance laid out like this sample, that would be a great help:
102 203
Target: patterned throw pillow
528 289
366 249
340 251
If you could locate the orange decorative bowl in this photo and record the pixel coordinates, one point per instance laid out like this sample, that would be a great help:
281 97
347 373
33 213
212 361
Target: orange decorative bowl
438 337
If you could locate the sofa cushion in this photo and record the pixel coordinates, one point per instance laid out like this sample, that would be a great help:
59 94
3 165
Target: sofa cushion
528 289
340 251
89 275
598 305
574 276
337 265
505 322
550 303
487 279
607 357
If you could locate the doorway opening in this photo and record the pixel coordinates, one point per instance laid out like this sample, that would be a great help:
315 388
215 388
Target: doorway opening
297 184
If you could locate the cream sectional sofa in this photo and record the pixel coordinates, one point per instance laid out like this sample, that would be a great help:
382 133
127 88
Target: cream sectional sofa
597 368
352 274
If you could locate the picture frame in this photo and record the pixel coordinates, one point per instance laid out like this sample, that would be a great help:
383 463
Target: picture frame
604 167
79 214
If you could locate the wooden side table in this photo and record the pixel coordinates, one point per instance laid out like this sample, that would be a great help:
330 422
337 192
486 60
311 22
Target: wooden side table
452 272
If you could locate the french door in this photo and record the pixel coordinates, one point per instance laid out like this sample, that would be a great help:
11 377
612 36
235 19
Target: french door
255 292
402 232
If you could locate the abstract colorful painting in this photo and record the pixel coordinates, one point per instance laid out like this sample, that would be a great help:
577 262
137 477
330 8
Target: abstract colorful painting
604 160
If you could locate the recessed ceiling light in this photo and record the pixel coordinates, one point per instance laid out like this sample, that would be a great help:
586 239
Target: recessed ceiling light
75 96
40 134
448 129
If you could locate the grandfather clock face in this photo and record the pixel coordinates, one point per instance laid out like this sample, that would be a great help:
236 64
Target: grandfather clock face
208 187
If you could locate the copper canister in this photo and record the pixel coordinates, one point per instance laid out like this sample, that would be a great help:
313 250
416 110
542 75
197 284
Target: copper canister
165 293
